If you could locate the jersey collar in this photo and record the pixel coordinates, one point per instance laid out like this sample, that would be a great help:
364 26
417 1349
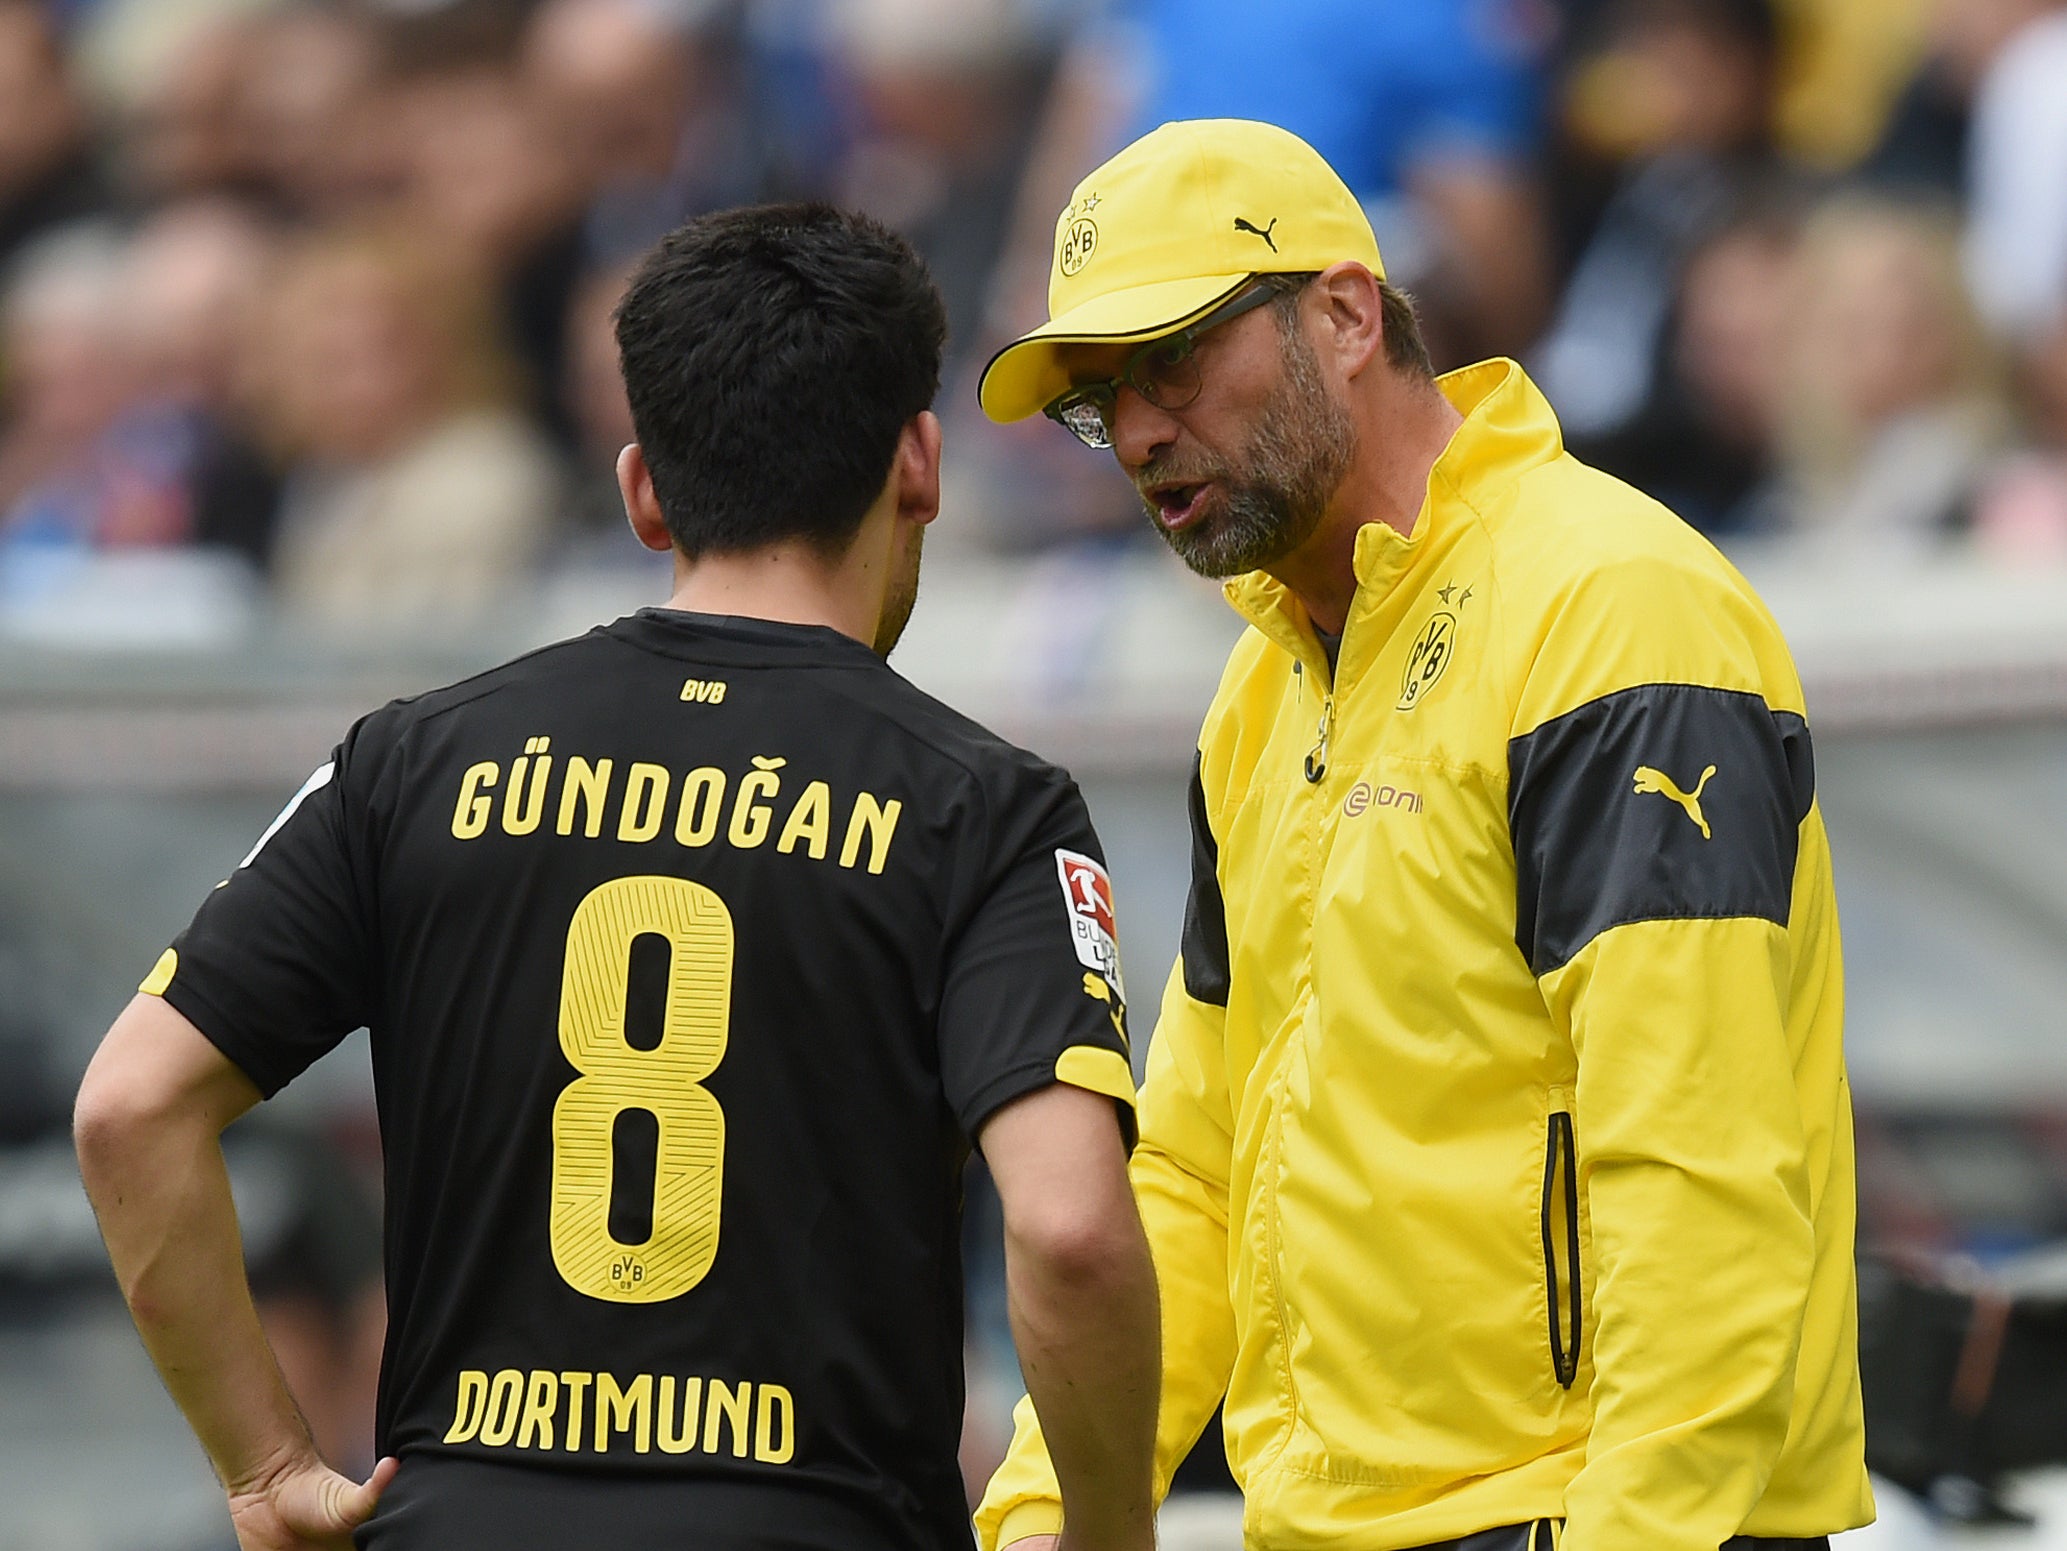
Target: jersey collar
738 638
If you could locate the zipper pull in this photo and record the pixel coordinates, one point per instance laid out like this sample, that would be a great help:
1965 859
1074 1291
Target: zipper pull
1317 757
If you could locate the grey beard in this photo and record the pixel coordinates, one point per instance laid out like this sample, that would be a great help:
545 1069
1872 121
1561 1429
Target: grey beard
1296 460
1253 527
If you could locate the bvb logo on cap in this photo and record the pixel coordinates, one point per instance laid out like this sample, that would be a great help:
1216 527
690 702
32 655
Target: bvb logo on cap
1078 244
1168 229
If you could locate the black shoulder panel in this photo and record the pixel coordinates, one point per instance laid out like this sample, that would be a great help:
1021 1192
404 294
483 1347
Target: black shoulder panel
1662 802
1204 946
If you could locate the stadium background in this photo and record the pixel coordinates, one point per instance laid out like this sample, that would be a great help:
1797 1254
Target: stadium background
307 399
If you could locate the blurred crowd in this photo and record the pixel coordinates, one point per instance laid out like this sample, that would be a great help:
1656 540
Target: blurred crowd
315 294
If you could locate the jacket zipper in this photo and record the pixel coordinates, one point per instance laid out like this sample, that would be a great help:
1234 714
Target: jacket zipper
1317 756
1273 1248
1561 1247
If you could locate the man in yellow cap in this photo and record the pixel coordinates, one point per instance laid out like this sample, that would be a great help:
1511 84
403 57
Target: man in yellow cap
1496 1151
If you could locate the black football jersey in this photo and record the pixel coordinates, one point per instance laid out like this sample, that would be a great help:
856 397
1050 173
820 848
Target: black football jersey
693 952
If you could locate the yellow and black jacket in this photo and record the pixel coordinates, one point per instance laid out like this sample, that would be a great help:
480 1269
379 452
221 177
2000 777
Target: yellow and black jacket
1496 1147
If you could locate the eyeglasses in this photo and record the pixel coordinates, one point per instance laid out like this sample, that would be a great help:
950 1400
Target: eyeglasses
1164 371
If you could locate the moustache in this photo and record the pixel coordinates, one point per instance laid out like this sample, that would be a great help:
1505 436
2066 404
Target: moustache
1178 472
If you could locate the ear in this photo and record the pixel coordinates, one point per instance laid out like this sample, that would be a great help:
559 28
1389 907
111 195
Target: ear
641 505
1354 326
915 469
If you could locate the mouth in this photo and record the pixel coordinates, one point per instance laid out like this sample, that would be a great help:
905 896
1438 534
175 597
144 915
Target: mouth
1177 506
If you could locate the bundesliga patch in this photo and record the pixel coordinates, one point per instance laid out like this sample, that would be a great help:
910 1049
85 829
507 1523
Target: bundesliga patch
1087 889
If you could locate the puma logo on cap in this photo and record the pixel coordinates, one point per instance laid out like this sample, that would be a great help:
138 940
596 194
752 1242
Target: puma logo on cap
1264 232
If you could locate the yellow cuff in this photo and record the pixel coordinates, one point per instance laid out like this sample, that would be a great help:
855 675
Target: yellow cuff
161 974
1097 1069
1024 1520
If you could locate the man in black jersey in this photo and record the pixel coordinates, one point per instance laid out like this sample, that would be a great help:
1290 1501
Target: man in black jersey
696 953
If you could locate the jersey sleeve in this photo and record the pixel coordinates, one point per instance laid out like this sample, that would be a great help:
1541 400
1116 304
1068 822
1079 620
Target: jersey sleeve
1032 992
1180 1177
1660 779
277 965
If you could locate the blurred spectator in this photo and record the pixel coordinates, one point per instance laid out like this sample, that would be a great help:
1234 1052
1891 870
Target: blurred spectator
479 169
536 146
309 110
1924 146
194 270
186 130
1847 62
1705 444
435 37
417 495
121 49
193 274
1890 412
2022 512
1682 91
592 395
655 114
47 174
120 429
2016 247
1429 109
945 92
64 381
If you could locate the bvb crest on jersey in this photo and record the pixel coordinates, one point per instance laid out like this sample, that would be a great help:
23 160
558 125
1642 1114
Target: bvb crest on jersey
1430 655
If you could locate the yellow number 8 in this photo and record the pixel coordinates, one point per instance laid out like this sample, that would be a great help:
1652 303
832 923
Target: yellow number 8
666 1081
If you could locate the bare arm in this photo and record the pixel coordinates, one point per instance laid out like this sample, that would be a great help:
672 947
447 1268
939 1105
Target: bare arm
148 1124
1084 1310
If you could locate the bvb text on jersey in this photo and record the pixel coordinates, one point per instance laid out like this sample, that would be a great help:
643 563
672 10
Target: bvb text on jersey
693 952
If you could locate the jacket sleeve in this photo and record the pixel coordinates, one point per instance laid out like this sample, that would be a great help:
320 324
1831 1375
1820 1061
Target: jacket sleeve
1659 775
1180 1171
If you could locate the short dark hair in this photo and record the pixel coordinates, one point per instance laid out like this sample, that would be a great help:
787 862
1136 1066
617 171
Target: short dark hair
1405 349
772 355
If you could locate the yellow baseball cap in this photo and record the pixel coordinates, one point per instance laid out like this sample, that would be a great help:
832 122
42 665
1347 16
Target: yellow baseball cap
1166 230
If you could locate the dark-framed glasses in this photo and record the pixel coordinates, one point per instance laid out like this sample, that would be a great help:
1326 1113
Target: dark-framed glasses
1164 371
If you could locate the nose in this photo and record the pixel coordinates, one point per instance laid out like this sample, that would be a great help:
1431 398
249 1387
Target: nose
1140 431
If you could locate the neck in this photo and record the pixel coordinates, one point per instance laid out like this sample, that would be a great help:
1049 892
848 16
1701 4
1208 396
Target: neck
1399 437
790 583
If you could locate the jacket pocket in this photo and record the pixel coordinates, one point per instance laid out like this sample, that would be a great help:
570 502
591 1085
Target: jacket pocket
1561 1247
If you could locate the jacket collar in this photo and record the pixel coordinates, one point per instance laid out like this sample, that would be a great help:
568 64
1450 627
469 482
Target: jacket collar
1508 428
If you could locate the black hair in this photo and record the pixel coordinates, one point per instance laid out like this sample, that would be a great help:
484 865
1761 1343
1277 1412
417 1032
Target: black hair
1405 349
772 355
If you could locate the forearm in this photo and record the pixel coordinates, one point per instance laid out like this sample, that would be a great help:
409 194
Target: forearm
1086 1326
162 1193
1185 1219
1694 1172
1694 1374
1178 1176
